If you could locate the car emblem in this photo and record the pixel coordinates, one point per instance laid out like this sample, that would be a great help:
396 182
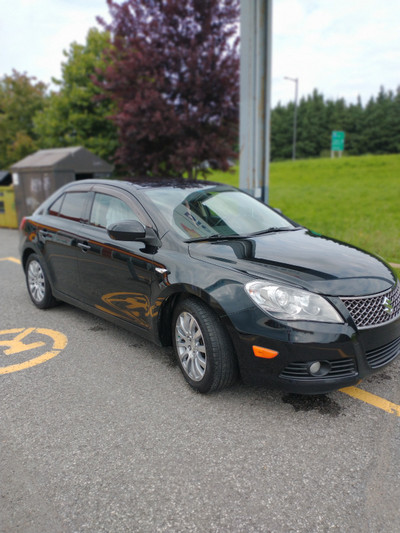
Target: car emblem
387 304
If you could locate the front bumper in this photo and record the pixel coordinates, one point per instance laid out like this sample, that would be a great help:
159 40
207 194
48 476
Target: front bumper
346 354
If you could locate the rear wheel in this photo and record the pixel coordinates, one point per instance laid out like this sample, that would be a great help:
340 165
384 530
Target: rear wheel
38 285
203 349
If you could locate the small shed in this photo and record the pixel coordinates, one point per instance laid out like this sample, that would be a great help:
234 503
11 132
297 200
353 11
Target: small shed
38 175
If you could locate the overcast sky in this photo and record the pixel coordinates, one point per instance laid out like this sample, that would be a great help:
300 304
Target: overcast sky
344 48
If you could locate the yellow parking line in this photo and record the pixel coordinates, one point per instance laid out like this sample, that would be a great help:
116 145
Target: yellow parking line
372 399
12 259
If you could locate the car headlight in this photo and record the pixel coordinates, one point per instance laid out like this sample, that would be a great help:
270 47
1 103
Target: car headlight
289 303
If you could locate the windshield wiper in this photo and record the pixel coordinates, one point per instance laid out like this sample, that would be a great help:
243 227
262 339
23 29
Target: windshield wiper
216 237
273 230
221 237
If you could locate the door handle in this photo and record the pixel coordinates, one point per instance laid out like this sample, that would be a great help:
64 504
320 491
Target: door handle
84 247
44 234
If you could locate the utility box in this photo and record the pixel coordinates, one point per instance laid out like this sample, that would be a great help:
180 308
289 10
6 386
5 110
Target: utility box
8 213
37 176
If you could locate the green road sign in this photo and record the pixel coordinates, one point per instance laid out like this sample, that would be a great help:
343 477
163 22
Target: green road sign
337 143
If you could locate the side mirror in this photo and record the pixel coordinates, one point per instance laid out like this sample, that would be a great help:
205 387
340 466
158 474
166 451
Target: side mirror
133 230
127 230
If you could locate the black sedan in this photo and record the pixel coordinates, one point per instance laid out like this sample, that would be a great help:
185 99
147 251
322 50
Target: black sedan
233 285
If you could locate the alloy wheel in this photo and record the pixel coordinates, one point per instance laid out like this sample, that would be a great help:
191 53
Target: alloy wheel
190 346
36 281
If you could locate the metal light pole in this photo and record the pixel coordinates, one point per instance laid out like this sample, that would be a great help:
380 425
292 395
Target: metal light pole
296 81
255 96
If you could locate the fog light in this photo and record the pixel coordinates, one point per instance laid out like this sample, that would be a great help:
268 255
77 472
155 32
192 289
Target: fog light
314 368
319 368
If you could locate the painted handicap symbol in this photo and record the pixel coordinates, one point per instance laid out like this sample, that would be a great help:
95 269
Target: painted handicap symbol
14 342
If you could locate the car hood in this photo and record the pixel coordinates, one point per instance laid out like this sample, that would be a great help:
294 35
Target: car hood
302 258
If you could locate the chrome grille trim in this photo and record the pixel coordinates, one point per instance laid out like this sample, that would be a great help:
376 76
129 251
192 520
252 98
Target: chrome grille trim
341 368
370 311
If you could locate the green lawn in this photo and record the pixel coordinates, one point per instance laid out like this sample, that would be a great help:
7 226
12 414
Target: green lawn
354 199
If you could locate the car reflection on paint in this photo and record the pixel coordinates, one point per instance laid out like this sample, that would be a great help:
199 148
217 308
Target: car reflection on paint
130 306
235 287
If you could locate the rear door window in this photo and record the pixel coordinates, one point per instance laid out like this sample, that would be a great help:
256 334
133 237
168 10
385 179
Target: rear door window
73 205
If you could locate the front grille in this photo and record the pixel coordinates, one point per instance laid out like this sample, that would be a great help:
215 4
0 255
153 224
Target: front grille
341 368
383 355
370 311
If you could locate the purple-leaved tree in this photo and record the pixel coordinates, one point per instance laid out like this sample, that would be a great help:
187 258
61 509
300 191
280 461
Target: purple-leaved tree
174 78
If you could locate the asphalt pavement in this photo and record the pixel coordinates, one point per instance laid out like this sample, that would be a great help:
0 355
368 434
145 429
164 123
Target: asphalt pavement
100 433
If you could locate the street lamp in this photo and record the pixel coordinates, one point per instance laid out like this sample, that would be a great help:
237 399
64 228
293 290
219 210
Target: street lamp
296 81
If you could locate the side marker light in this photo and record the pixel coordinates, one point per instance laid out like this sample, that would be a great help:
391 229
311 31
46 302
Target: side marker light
265 353
22 224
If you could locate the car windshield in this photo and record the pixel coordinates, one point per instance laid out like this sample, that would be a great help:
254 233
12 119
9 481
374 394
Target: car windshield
217 211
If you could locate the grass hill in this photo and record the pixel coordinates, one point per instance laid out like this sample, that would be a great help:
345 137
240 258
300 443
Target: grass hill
354 199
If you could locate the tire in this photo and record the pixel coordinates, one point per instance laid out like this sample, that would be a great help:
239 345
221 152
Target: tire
37 283
202 347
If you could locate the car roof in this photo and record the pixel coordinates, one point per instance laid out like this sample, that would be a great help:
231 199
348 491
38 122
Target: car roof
130 186
147 183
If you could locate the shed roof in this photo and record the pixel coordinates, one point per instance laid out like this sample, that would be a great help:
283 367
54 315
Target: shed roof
74 158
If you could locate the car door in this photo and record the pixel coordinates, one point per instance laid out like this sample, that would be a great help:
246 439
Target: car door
116 277
59 237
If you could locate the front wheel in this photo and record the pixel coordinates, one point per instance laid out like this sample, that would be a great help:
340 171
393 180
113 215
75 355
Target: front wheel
203 349
38 285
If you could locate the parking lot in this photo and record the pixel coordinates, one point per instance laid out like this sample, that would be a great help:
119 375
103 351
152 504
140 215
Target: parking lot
100 433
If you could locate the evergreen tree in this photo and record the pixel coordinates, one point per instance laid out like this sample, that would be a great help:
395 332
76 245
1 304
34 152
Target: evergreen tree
281 132
313 135
381 132
373 129
354 127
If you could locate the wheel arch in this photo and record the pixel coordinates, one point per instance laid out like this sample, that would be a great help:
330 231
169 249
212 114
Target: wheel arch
179 294
25 255
43 299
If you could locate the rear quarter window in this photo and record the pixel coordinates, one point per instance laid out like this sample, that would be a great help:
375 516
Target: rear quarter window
70 205
56 206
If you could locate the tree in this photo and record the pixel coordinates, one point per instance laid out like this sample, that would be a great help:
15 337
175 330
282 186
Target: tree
282 132
373 129
21 96
174 79
382 125
354 127
76 115
313 135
